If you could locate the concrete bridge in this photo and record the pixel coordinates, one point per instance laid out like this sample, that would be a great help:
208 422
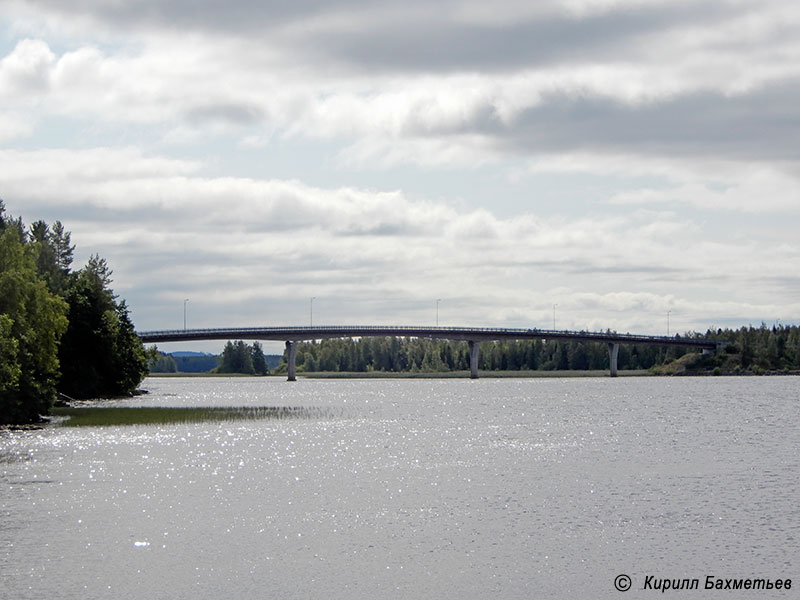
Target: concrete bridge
472 335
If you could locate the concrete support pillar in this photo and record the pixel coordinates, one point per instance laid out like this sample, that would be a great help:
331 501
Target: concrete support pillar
292 348
613 353
474 349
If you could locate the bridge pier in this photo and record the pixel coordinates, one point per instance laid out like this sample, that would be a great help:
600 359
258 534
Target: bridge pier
613 353
291 347
474 350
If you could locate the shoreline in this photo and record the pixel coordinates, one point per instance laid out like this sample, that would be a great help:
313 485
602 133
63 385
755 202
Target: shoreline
417 375
484 374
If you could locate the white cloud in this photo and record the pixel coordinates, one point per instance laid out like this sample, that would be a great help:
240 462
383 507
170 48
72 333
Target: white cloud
14 126
26 70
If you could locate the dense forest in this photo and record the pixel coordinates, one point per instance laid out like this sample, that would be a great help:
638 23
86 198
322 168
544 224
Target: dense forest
60 330
748 350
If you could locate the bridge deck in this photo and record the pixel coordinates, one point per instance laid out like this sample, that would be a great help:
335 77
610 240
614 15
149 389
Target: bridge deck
475 334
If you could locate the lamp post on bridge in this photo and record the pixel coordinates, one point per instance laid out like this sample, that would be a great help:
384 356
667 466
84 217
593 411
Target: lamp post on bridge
311 312
437 311
554 316
184 313
669 311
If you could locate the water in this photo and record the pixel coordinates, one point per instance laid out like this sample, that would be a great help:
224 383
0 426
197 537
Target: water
512 488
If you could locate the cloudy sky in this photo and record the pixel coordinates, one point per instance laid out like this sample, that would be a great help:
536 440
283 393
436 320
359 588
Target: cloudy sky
619 159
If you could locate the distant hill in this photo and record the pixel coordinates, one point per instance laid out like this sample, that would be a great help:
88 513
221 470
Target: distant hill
202 362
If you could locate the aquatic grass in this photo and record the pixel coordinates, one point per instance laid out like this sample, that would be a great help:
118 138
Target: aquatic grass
96 416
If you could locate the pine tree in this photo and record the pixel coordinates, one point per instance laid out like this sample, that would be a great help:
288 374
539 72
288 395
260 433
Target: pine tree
258 360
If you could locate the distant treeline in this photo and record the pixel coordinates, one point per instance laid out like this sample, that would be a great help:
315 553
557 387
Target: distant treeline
748 349
170 363
237 357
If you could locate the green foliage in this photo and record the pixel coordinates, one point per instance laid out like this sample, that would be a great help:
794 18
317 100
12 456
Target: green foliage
162 363
196 364
390 354
54 253
236 358
258 359
58 329
32 320
10 369
101 355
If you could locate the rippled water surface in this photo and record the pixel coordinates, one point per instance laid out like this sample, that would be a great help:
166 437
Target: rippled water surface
511 488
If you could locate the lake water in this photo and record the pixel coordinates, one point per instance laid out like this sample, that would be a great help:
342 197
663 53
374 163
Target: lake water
495 488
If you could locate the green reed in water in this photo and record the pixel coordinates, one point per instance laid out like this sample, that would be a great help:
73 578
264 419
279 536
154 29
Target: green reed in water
88 416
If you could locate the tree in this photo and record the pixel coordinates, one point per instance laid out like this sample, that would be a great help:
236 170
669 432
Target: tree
32 320
101 355
258 359
54 253
236 358
10 369
60 240
162 363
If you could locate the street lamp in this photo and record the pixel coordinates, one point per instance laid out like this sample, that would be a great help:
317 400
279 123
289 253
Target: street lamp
554 316
184 313
311 312
437 311
669 311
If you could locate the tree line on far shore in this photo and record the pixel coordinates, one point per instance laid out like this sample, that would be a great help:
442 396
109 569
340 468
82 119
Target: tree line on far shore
236 357
746 350
60 330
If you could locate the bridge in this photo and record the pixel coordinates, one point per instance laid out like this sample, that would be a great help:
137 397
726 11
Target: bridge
472 335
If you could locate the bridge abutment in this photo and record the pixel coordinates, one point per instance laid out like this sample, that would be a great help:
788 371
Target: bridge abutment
291 347
613 353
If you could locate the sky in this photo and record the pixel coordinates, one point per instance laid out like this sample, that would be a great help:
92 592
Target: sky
631 165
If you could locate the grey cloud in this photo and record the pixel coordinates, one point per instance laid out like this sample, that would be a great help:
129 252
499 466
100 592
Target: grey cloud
230 113
190 14
381 230
424 37
446 44
763 125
